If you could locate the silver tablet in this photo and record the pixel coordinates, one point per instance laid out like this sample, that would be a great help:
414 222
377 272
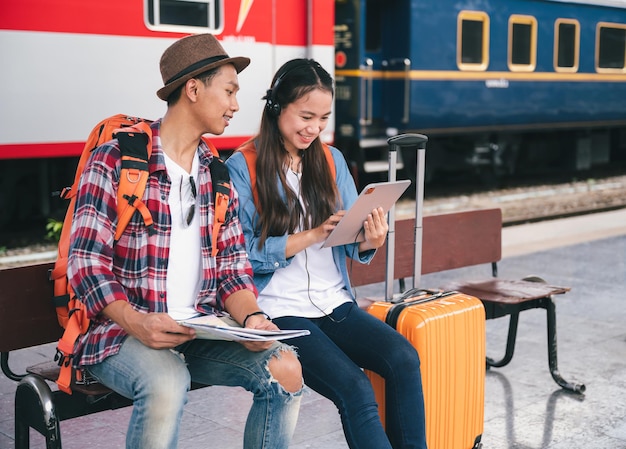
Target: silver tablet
378 194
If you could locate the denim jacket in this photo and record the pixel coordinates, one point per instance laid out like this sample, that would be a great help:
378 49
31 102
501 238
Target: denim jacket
271 256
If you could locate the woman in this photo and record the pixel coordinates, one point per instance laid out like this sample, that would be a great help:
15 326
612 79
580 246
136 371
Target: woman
301 197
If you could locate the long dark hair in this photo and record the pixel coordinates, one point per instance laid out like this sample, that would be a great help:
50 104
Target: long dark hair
292 81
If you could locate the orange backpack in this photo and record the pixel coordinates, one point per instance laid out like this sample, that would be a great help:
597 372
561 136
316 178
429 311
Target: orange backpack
248 149
135 141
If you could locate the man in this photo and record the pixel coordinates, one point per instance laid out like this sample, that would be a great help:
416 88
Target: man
137 290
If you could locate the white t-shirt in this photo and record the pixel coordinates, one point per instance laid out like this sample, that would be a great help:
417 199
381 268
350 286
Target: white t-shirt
184 266
310 286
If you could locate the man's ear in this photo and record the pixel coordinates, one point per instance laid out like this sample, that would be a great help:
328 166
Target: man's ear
191 89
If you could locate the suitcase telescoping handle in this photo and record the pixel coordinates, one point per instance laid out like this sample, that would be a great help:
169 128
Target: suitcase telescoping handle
417 142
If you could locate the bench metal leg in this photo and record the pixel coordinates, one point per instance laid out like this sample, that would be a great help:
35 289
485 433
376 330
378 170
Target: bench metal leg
552 358
34 408
546 303
6 369
510 343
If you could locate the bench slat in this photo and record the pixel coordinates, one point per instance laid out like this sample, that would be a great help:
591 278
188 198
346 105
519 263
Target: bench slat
449 241
50 371
507 291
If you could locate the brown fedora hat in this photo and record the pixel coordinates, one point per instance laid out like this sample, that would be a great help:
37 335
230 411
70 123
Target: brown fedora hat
191 56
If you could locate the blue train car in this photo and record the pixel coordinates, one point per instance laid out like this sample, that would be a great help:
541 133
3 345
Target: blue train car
500 86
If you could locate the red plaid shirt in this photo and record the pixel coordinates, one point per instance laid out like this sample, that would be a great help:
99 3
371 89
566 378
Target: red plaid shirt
135 268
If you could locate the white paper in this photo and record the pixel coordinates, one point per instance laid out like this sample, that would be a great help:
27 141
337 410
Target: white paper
212 327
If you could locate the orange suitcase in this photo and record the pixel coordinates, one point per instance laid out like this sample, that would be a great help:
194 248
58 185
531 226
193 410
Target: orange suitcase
448 331
446 328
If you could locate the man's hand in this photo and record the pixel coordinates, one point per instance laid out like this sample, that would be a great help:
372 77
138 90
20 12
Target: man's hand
155 330
259 322
160 331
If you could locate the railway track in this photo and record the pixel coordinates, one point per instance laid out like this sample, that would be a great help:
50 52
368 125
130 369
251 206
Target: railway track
520 204
524 204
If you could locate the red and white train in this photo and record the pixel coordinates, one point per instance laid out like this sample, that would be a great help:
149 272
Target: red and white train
66 64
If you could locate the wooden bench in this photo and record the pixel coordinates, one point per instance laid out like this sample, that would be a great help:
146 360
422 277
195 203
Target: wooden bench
28 319
463 239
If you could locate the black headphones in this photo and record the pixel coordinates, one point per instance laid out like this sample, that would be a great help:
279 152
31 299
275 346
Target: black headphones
272 106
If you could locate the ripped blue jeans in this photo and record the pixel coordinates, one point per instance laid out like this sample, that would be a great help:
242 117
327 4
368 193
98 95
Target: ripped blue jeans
158 382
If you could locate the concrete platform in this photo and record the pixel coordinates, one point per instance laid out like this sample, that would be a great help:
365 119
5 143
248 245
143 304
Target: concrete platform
524 407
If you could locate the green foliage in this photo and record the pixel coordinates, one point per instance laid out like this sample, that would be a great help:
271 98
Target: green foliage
53 229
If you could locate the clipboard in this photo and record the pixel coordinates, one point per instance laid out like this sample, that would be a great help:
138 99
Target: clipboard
377 194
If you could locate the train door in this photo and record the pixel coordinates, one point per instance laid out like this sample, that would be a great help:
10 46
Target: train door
371 68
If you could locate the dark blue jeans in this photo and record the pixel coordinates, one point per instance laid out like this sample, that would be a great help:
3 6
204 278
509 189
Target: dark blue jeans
332 357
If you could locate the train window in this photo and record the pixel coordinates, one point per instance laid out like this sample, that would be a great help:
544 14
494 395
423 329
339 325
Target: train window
186 16
472 40
522 43
566 45
610 47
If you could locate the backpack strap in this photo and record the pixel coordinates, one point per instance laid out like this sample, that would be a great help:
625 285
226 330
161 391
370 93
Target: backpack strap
135 147
221 190
330 160
248 149
77 324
